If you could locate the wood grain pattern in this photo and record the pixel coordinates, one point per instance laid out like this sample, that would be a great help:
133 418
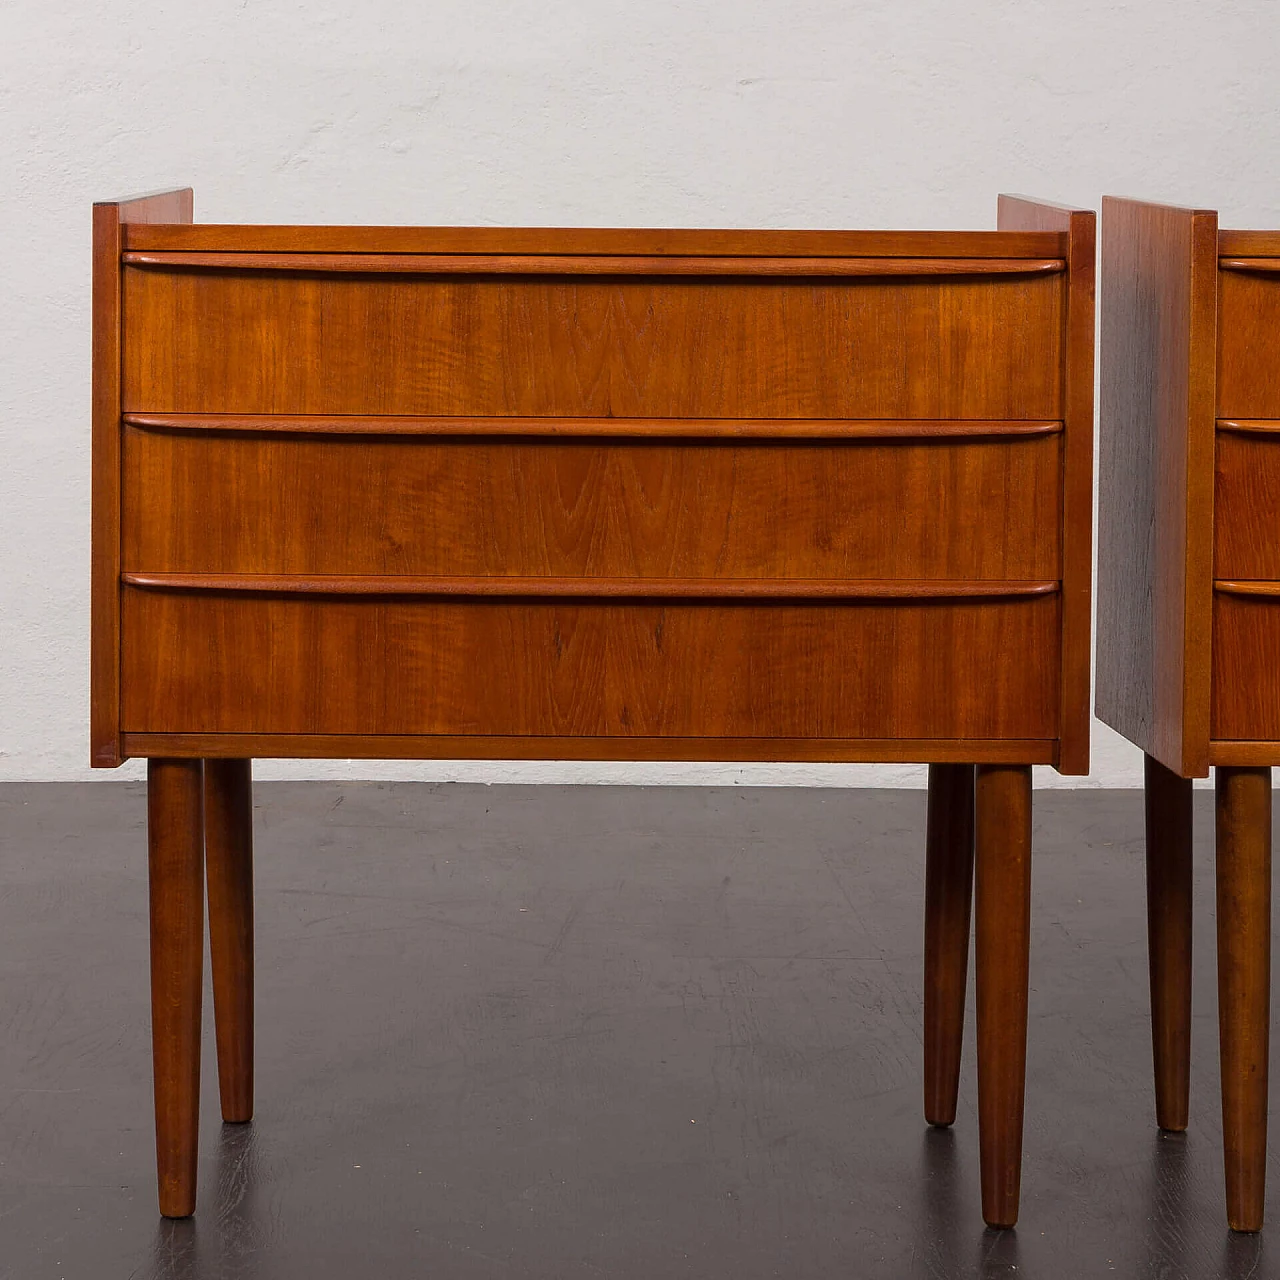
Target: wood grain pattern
1017 213
1243 823
175 832
1242 752
1159 273
230 342
578 241
110 219
598 265
1002 940
948 898
1248 244
552 747
260 664
1169 883
200 501
1246 675
1247 504
1249 316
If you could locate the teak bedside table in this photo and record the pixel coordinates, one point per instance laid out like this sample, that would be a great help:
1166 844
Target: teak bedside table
672 495
1189 618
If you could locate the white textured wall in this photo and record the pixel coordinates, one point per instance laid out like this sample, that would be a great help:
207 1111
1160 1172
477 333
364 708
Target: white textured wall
753 113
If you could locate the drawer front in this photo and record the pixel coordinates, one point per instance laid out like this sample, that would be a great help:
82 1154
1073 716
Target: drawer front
213 502
1249 344
1246 513
1246 667
226 341
230 662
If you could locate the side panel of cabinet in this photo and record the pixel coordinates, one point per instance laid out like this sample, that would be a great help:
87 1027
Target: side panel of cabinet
1155 523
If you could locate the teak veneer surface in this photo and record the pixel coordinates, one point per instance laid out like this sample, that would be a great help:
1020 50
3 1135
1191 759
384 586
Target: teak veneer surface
1018 215
1159 267
431 434
111 222
1247 504
307 504
1246 244
329 665
264 342
391 746
1246 667
593 241
1248 322
1245 670
1190 476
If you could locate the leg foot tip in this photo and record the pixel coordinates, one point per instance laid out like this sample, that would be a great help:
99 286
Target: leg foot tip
1001 1217
177 1199
1243 1220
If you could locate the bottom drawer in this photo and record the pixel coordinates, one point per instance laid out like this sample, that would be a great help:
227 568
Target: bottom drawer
1246 664
226 662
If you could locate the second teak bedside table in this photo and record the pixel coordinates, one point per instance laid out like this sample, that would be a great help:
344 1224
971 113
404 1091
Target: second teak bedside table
1189 618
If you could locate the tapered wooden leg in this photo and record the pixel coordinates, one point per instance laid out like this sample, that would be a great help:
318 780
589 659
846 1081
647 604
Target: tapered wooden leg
1168 809
948 893
1244 984
228 816
1003 845
176 846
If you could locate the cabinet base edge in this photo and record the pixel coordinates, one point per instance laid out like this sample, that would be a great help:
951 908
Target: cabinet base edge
432 747
1241 752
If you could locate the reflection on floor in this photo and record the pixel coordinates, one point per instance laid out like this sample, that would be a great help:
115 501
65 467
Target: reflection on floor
625 1032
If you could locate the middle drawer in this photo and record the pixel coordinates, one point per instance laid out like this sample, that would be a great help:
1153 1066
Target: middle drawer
280 503
1246 505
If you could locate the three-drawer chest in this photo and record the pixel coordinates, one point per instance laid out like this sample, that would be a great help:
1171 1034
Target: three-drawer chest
677 495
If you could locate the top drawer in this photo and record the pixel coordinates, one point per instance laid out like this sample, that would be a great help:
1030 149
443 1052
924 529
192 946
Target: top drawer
1249 341
288 342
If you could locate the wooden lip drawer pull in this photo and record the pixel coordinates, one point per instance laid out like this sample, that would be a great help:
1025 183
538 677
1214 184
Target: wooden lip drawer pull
615 587
1250 426
1254 587
689 428
1262 266
595 241
560 264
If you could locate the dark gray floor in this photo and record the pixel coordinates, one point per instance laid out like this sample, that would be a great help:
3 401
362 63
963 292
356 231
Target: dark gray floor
545 1032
